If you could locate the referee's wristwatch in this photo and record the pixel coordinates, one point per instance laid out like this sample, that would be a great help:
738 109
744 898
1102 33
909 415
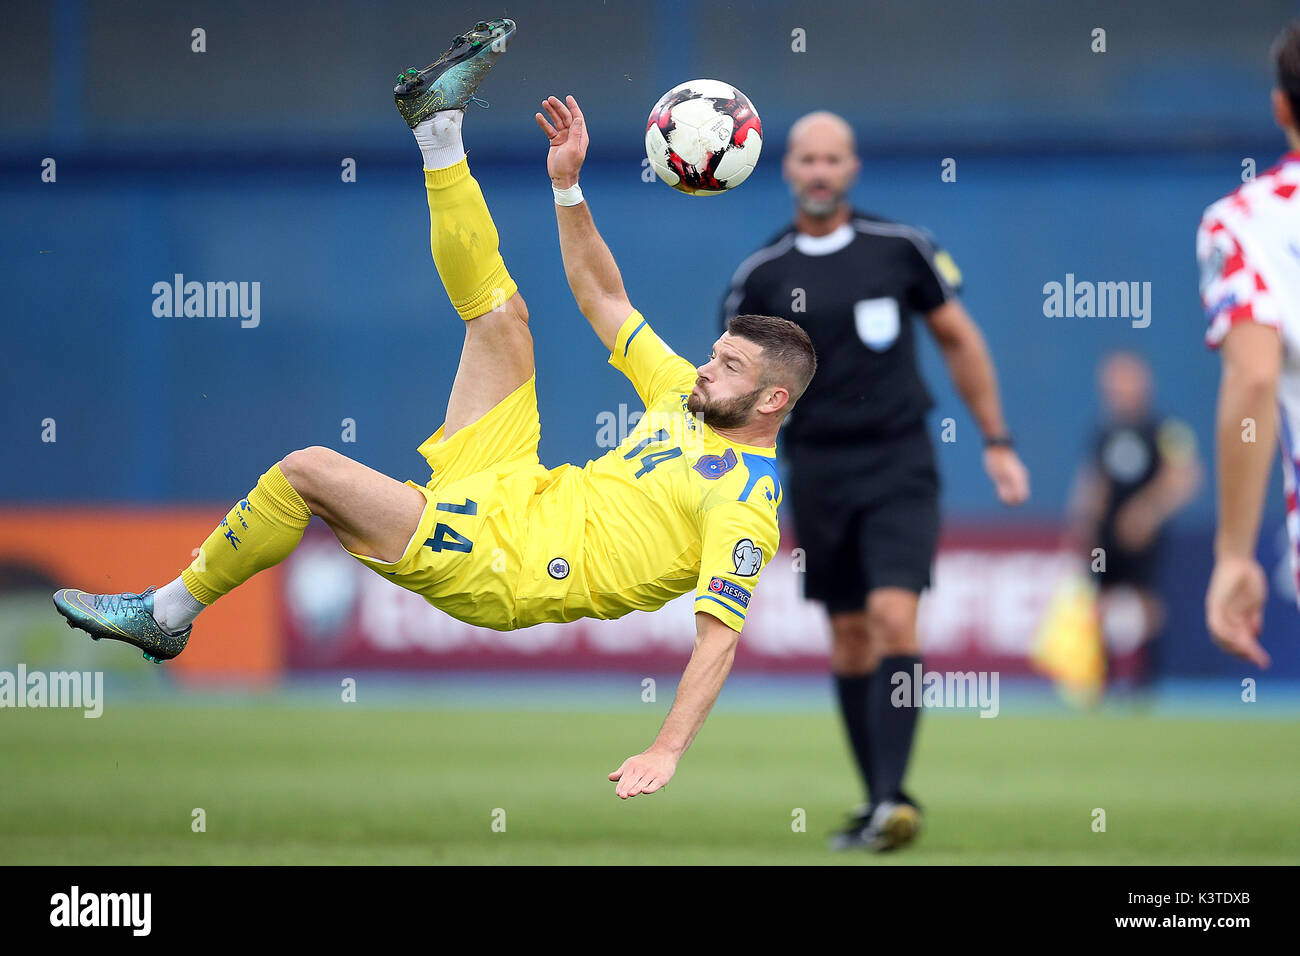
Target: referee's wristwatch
999 441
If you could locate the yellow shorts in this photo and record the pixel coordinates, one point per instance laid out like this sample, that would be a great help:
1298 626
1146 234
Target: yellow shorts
470 551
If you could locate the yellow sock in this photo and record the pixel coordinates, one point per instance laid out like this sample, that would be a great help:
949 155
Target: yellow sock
465 242
259 531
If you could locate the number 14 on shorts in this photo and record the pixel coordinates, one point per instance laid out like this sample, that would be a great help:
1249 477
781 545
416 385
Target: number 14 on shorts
444 538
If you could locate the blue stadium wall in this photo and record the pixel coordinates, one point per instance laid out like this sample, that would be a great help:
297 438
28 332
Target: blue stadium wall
354 322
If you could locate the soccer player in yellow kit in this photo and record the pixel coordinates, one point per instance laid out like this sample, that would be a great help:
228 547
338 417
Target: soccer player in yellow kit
687 502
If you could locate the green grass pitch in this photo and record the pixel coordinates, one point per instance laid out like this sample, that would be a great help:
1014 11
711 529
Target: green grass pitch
345 785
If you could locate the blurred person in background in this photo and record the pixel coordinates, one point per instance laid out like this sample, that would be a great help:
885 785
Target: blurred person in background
1248 249
863 482
1142 469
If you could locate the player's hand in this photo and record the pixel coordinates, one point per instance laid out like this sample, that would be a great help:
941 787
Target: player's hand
566 130
1234 607
645 773
1009 475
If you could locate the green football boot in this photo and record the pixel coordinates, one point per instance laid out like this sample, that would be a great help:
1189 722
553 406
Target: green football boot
449 82
121 617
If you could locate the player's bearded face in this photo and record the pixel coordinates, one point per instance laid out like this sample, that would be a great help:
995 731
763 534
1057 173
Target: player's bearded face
731 412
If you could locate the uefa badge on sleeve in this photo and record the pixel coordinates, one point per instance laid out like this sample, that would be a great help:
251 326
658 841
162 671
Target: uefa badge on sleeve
747 557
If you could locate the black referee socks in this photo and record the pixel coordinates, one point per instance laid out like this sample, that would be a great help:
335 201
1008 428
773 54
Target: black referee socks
890 728
853 693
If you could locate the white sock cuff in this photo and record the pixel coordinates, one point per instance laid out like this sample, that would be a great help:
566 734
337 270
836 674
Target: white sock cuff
439 139
174 607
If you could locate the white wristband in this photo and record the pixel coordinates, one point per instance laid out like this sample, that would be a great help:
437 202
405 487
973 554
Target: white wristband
568 197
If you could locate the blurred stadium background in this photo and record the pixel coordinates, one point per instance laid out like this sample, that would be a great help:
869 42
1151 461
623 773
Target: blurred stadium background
228 165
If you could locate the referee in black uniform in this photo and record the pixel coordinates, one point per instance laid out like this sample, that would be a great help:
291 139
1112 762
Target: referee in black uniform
863 482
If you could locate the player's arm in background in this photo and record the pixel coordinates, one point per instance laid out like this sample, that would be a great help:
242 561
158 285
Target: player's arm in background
588 264
739 538
970 365
1246 333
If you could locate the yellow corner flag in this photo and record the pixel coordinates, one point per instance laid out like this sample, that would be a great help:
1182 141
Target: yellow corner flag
1068 647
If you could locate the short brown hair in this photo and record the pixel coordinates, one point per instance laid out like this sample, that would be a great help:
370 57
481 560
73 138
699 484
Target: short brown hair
788 353
1286 59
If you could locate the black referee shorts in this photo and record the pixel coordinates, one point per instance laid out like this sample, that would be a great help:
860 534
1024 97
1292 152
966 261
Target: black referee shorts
866 517
1138 569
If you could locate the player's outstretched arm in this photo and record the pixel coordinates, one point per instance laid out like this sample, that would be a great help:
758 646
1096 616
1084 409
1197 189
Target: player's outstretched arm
706 672
588 264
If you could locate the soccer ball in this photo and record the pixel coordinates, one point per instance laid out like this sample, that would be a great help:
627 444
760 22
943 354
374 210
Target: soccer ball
703 137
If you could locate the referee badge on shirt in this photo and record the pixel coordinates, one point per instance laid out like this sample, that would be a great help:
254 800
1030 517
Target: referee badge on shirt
747 557
558 568
877 322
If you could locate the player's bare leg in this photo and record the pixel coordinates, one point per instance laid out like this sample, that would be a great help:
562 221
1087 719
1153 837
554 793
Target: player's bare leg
496 359
370 513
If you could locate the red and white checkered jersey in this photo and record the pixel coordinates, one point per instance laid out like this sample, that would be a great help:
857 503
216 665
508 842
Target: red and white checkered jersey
1248 248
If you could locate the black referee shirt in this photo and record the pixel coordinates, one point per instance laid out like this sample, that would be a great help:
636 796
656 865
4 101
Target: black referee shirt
1128 454
855 292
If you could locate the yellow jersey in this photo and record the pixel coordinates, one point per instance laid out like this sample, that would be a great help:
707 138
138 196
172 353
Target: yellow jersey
675 507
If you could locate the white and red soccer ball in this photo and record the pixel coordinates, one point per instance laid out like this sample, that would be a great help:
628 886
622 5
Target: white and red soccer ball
703 137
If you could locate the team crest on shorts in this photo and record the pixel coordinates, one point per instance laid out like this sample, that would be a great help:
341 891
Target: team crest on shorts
558 568
747 557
